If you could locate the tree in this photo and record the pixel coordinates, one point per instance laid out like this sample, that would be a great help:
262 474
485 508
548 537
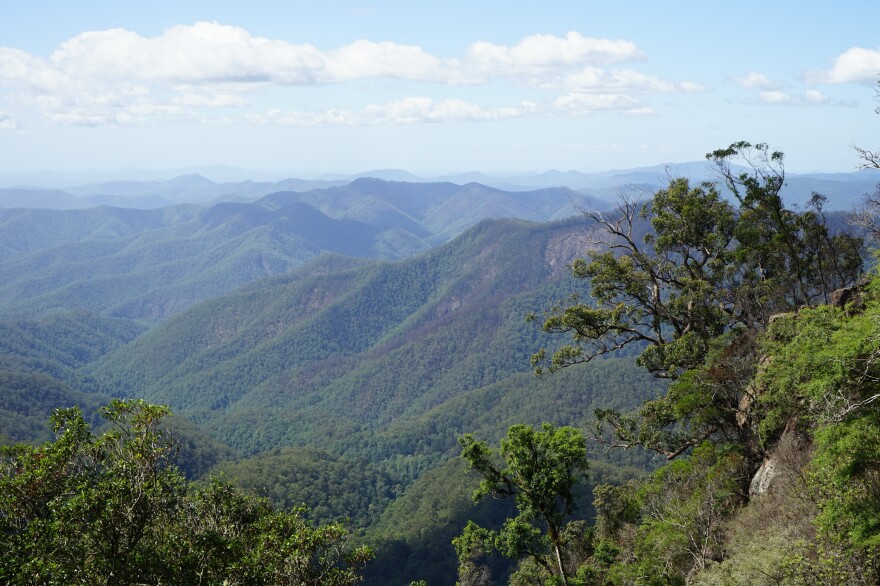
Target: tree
87 509
667 288
866 217
539 468
114 510
691 277
790 258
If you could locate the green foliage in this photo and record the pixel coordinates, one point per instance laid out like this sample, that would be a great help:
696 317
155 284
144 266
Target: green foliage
670 526
823 374
814 401
334 488
824 366
65 340
693 290
40 368
668 291
702 403
28 398
694 280
87 509
683 507
413 538
112 510
703 266
539 469
791 258
847 464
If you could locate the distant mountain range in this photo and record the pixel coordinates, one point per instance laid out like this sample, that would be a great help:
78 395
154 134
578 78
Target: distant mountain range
343 383
843 190
374 358
322 341
149 264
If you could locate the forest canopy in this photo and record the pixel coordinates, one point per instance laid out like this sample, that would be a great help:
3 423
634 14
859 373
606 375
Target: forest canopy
760 316
113 509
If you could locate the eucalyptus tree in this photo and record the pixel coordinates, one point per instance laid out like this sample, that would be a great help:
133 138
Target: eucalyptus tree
113 509
689 276
539 469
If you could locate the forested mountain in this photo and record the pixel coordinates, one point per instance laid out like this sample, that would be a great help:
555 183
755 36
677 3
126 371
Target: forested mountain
340 347
376 345
345 381
192 186
40 368
154 263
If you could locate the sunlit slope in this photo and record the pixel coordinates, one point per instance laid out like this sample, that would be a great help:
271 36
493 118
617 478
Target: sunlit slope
324 353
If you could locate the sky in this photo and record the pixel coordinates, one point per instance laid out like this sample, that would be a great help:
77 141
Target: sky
303 89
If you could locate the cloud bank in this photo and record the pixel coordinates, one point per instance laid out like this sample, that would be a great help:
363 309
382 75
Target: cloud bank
118 77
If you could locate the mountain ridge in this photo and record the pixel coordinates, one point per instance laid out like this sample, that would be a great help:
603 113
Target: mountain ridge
191 186
334 312
149 264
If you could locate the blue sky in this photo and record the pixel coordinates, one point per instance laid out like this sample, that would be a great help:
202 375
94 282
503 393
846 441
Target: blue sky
305 88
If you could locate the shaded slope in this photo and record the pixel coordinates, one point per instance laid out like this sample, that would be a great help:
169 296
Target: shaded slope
304 320
331 358
39 368
59 345
149 264
153 266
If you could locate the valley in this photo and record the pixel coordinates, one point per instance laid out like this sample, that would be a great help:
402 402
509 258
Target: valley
325 347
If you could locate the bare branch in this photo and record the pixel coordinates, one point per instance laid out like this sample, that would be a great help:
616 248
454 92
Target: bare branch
870 159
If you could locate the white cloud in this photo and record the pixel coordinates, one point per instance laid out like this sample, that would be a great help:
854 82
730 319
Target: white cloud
101 104
536 53
331 117
780 98
596 79
413 110
21 69
424 110
637 112
757 81
119 77
690 87
219 100
203 52
774 97
366 59
580 104
409 110
815 97
766 92
209 52
7 122
856 65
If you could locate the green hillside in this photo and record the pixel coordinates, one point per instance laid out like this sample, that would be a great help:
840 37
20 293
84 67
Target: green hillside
346 384
151 271
40 368
377 344
150 264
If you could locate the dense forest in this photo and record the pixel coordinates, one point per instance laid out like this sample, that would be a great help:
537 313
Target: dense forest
763 322
702 404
